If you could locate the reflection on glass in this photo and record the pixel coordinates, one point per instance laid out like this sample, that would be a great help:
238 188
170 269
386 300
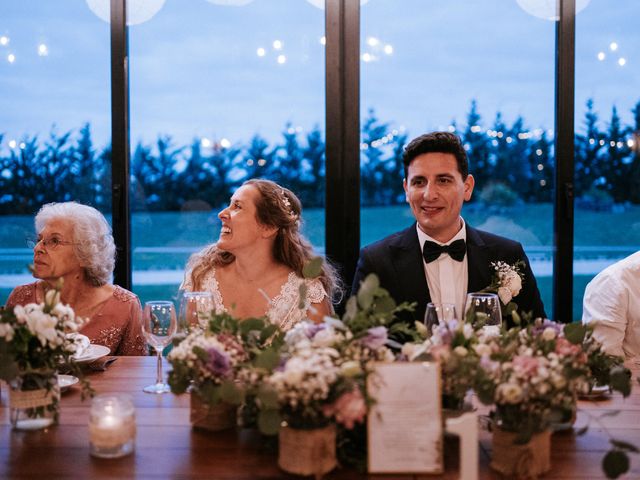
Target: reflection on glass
158 326
483 310
438 313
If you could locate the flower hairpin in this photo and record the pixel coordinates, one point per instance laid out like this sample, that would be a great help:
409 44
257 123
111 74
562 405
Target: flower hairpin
286 203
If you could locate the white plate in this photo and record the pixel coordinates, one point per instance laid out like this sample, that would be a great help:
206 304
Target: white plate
66 381
94 352
597 392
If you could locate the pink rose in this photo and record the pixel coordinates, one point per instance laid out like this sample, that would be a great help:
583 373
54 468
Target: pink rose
565 348
528 365
349 408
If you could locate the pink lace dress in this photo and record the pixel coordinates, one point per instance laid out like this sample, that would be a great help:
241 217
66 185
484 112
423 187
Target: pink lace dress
284 309
116 322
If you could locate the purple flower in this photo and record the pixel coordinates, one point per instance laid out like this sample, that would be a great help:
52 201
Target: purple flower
311 330
376 338
540 327
218 362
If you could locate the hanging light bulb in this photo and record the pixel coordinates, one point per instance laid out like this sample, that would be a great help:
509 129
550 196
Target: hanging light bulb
320 3
548 9
231 3
138 11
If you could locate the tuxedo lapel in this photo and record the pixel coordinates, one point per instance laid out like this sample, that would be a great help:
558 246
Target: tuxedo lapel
478 262
406 257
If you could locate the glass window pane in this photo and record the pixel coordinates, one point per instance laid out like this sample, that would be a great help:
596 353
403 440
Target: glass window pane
220 92
484 70
607 159
55 120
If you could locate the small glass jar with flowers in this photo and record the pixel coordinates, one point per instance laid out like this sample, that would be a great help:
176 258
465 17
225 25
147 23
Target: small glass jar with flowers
36 340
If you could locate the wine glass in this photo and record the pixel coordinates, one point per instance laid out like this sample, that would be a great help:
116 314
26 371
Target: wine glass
438 313
483 310
194 308
158 326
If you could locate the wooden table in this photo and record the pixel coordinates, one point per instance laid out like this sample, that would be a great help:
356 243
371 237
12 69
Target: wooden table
167 446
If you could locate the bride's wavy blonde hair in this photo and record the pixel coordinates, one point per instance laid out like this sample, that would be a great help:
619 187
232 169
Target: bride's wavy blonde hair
277 207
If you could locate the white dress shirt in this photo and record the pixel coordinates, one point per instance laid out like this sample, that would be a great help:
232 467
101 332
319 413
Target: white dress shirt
447 279
612 304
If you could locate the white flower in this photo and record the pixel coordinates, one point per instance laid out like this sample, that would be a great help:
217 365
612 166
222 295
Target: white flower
548 334
467 330
505 294
509 393
482 349
558 381
6 331
413 350
43 326
513 282
325 338
52 297
460 351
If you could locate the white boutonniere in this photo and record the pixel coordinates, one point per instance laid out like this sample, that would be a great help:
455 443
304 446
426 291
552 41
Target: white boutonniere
507 283
508 280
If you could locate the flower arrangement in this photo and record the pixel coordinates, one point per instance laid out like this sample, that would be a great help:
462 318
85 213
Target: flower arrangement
224 361
322 373
36 340
529 373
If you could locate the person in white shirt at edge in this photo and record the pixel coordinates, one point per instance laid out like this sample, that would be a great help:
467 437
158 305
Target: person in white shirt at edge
612 305
255 267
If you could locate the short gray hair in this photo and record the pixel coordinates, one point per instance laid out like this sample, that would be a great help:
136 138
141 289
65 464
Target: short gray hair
94 246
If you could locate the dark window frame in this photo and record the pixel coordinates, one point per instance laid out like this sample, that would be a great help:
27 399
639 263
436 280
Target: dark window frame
342 210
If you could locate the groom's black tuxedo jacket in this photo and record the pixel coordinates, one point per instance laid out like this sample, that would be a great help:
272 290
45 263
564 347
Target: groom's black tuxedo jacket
397 260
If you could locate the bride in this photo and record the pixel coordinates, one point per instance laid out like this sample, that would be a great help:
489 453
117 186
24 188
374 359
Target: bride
255 267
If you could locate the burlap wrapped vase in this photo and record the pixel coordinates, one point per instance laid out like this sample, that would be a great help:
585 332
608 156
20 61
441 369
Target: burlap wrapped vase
220 416
521 461
307 452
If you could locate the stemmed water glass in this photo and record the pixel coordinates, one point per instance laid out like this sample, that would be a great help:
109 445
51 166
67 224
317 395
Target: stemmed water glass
159 326
438 313
483 310
193 311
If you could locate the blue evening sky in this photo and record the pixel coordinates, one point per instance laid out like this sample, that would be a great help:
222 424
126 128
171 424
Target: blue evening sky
196 71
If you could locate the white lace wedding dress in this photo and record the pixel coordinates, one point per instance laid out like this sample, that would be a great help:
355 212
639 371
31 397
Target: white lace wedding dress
284 309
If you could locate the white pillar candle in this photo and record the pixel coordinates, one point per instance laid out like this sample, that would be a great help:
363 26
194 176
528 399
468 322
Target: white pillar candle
112 426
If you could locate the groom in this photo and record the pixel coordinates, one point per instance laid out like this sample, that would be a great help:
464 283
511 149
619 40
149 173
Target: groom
440 258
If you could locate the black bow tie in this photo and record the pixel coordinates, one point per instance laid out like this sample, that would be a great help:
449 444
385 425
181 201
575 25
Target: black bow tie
456 250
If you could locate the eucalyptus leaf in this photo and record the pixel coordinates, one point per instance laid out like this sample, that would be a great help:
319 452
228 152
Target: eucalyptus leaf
313 268
267 332
269 421
268 360
622 445
385 305
582 430
251 324
615 463
302 294
268 398
620 380
575 332
230 393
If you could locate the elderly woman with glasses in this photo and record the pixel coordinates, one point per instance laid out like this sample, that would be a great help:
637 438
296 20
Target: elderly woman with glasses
75 243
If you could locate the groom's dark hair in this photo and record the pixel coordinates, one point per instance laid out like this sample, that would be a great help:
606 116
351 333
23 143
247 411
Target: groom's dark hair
437 142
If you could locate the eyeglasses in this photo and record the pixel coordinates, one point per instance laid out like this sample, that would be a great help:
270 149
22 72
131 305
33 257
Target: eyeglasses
48 243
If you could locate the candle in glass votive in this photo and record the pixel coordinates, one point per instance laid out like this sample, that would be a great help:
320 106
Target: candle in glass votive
112 426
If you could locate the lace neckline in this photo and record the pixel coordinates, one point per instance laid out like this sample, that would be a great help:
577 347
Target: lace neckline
273 302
